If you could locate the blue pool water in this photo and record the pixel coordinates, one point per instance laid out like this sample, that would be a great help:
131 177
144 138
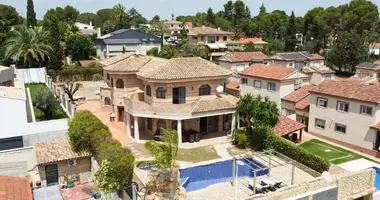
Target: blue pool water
203 176
377 178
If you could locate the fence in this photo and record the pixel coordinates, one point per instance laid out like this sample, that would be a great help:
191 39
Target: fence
35 75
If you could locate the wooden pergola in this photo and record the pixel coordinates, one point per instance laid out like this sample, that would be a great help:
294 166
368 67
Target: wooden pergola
287 126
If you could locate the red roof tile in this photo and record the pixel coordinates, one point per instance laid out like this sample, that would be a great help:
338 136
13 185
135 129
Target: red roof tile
303 103
272 71
253 40
15 188
350 90
297 95
245 56
189 24
233 86
374 45
286 126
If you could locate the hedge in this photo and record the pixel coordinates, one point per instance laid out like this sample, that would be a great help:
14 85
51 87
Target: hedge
291 150
75 73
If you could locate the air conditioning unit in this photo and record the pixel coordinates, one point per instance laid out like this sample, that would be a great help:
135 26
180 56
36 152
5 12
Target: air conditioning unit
72 163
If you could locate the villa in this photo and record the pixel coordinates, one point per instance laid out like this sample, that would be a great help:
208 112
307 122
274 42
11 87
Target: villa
184 94
298 60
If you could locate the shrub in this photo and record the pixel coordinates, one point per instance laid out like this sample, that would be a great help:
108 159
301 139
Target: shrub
75 73
97 77
241 138
291 150
83 129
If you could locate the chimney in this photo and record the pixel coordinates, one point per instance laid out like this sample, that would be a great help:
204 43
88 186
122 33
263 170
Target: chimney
90 23
203 26
218 28
99 33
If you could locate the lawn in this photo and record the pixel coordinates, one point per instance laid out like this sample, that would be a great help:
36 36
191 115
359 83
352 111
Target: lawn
233 151
197 154
333 154
58 114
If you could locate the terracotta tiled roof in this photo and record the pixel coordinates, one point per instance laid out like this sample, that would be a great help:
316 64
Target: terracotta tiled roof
350 90
207 31
233 86
297 95
215 103
253 40
56 150
86 63
245 56
131 64
115 59
183 68
321 70
189 24
291 56
374 45
286 126
273 71
15 188
303 103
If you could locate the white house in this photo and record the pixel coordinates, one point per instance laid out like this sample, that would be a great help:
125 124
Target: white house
374 48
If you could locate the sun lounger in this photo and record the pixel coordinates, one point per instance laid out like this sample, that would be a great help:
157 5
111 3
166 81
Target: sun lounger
259 188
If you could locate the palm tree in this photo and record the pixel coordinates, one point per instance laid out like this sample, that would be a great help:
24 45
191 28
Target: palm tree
165 155
29 44
168 52
120 15
160 28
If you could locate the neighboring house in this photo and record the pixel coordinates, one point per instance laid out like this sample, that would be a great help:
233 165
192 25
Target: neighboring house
274 81
374 49
55 159
233 89
175 27
298 103
214 39
319 74
184 94
347 113
87 29
239 61
367 72
299 60
131 39
15 188
258 42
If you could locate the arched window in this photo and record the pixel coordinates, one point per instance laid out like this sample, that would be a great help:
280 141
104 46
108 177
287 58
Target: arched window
107 101
161 124
161 93
119 83
148 90
204 90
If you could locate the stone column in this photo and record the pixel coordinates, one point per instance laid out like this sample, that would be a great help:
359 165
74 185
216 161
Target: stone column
179 131
238 121
136 127
129 134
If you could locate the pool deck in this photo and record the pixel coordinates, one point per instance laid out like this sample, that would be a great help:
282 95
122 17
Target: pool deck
357 165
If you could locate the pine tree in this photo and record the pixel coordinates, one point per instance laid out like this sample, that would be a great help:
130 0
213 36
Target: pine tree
291 41
31 15
210 17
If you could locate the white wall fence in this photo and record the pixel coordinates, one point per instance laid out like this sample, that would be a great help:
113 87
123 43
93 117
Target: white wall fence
35 75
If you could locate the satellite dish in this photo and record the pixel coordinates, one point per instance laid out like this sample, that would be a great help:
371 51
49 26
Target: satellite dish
220 89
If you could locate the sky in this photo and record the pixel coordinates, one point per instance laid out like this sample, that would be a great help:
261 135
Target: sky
165 8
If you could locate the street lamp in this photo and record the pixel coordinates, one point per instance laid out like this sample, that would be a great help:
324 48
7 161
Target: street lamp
241 163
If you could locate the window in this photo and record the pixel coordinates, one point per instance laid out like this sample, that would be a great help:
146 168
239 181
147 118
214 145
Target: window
224 38
196 38
340 128
365 110
272 87
321 102
298 84
108 76
240 67
257 84
172 25
328 77
320 123
161 124
210 39
107 101
244 81
149 124
161 93
204 90
119 83
217 38
179 95
148 91
290 64
342 106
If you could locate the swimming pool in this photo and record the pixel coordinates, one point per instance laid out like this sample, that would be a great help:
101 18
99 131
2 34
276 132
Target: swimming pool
377 178
203 176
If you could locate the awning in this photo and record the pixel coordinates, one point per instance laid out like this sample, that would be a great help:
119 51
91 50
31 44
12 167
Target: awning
222 46
213 46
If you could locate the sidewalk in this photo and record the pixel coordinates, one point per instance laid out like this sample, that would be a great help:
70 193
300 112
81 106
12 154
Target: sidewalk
221 150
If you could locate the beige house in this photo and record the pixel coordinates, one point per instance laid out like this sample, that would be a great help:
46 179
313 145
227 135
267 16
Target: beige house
55 159
298 103
319 74
347 113
175 27
184 94
239 61
298 60
274 81
214 39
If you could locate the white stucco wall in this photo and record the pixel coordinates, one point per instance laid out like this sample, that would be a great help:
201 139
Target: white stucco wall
263 91
13 118
358 131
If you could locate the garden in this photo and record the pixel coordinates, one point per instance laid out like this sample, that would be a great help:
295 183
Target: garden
45 105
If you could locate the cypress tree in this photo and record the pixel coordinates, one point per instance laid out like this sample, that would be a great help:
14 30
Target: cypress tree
30 14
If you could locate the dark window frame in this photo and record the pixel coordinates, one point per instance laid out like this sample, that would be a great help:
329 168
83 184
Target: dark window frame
161 93
148 91
342 102
275 86
342 126
120 83
367 107
204 90
244 82
107 99
254 84
315 124
321 98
